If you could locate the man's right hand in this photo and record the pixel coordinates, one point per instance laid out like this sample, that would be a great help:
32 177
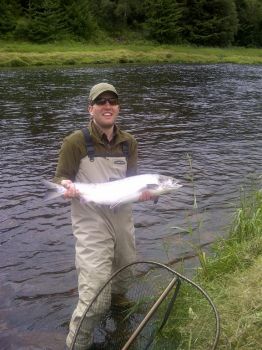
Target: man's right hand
146 196
71 191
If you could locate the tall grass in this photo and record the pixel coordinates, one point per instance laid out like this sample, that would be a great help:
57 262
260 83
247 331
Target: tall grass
232 277
248 218
244 242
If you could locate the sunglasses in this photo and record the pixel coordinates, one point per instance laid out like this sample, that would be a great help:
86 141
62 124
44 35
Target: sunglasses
113 101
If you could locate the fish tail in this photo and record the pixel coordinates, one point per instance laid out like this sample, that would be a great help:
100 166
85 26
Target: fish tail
53 190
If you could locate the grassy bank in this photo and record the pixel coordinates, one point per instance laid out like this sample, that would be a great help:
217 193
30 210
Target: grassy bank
15 54
232 277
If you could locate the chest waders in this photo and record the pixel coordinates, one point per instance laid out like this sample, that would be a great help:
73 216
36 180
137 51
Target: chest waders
104 238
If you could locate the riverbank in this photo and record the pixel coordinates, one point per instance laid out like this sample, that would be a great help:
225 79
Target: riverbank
17 54
233 276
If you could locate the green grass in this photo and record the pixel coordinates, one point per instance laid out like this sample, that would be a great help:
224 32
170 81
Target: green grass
191 324
13 54
244 242
238 297
232 277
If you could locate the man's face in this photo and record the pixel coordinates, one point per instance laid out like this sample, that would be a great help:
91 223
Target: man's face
104 112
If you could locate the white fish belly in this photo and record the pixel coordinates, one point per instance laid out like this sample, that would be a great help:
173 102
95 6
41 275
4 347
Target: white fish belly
120 191
126 190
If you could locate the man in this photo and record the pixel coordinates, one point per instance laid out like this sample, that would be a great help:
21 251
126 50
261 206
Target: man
104 237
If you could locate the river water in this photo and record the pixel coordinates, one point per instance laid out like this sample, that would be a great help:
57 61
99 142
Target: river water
199 123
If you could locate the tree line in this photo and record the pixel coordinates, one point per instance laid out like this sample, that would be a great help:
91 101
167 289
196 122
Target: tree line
198 22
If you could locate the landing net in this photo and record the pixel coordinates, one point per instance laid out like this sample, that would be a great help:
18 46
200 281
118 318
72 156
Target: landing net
157 309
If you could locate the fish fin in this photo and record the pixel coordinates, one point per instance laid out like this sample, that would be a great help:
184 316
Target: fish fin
84 200
115 205
119 202
53 190
156 200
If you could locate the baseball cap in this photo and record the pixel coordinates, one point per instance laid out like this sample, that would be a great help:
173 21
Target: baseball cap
98 89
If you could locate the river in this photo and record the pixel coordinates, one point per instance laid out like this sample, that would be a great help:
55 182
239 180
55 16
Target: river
199 123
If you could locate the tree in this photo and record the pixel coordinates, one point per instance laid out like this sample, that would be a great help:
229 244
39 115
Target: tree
163 20
250 23
49 20
129 12
79 18
210 22
200 22
45 21
104 11
117 15
9 11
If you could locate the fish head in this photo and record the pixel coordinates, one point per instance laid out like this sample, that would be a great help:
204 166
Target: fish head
168 183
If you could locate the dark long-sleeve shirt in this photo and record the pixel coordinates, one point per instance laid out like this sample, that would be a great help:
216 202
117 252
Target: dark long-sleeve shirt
74 149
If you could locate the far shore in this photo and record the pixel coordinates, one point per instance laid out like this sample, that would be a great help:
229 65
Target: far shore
23 54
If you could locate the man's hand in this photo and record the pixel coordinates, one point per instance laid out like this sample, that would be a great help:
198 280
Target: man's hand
147 196
71 191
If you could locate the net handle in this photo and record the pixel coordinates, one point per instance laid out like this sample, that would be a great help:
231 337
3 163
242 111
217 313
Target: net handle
150 314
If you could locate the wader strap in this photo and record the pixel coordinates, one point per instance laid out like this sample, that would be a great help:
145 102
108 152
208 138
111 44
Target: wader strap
89 144
125 149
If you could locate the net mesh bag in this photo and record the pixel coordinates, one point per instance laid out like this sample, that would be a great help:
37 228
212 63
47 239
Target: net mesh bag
154 308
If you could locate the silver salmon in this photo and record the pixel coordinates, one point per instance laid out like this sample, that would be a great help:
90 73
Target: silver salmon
118 192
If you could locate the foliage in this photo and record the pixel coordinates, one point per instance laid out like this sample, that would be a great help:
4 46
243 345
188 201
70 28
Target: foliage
8 16
116 15
163 20
250 23
79 19
45 21
200 22
50 20
210 23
